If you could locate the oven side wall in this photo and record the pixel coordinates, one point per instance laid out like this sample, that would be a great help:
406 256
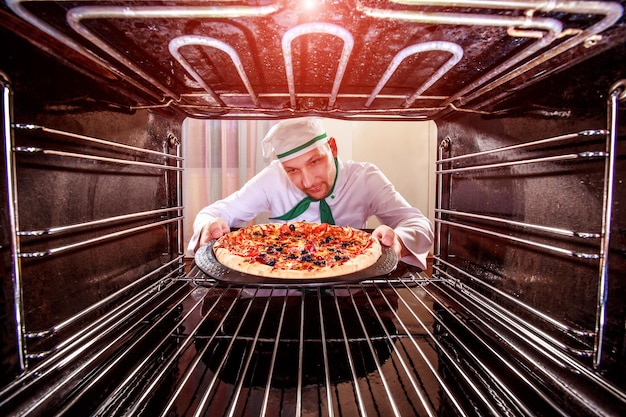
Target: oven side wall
56 290
531 273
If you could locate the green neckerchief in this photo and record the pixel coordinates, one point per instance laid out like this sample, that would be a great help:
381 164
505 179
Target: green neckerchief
326 216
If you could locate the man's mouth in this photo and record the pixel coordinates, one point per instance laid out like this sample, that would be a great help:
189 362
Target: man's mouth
314 190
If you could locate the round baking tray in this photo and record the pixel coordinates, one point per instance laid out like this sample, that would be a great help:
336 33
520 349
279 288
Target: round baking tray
206 261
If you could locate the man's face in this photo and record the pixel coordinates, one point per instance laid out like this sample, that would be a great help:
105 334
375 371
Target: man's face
313 172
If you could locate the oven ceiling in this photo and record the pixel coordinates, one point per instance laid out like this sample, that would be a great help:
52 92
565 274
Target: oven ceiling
404 59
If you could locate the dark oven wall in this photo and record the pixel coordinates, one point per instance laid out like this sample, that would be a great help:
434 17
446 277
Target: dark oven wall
493 208
96 197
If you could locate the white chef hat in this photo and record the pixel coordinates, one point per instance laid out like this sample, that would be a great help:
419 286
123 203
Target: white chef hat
294 137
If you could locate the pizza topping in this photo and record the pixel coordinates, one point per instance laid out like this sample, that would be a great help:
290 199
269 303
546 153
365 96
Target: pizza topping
300 247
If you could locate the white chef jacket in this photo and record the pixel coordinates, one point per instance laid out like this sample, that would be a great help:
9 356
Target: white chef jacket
361 191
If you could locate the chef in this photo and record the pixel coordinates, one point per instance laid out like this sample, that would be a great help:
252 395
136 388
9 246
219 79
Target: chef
307 182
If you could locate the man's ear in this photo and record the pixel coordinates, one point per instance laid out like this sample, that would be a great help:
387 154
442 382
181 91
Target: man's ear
333 146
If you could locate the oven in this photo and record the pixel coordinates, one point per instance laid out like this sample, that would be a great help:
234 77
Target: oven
520 313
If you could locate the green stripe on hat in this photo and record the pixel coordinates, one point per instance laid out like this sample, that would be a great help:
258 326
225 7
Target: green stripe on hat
299 148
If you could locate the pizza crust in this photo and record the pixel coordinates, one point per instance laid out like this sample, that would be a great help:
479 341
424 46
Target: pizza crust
363 260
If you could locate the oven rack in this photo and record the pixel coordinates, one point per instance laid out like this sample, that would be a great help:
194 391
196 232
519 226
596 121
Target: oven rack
36 152
514 231
89 348
171 214
574 345
524 337
393 348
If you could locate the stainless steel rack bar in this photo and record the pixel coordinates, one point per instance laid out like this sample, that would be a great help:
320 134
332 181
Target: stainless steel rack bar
93 140
324 313
87 242
82 345
119 310
408 354
431 366
528 242
35 150
455 217
156 352
112 145
490 315
616 94
563 327
547 141
13 214
40 350
530 226
414 383
528 335
100 222
556 158
232 351
487 367
513 323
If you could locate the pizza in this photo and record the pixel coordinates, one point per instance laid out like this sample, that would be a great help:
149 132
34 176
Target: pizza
297 250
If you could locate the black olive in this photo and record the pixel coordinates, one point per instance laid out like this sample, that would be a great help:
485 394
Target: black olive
292 227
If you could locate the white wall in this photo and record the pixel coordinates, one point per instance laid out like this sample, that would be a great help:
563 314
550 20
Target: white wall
405 151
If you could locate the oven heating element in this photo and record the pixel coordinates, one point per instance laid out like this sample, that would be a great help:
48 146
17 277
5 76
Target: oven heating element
542 29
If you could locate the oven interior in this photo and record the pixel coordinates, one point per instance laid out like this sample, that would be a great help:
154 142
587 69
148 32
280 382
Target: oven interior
522 312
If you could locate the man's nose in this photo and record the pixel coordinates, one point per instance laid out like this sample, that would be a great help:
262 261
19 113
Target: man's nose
307 178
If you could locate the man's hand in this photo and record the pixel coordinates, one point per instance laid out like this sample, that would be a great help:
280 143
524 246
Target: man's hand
217 228
388 237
